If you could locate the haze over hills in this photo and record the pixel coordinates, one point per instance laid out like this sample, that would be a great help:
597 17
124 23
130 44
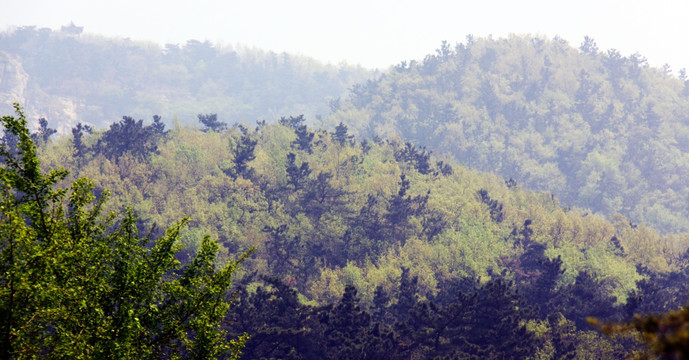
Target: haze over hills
363 245
597 129
69 76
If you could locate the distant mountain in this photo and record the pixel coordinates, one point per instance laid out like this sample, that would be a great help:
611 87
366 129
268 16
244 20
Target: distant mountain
597 129
68 77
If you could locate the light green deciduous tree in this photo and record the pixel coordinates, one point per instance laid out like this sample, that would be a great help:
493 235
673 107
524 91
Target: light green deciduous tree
78 284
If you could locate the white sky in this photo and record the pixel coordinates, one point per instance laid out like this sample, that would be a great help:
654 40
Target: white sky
372 33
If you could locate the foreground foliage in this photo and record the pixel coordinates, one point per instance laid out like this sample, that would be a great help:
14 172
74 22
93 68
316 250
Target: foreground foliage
76 284
666 334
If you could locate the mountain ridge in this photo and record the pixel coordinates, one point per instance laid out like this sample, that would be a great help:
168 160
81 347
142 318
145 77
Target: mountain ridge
80 77
598 130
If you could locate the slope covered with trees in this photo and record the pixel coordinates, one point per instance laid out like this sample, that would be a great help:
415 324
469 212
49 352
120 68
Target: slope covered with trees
75 283
362 244
70 77
598 129
367 246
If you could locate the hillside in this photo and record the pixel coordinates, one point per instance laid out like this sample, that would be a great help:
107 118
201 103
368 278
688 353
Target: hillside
70 77
479 204
597 129
383 234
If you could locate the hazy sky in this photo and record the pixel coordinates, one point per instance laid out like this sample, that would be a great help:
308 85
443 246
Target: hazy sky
372 33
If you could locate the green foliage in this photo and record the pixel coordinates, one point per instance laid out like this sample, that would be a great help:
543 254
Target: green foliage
329 215
80 148
44 132
597 129
665 335
338 210
369 245
130 136
76 284
211 123
243 154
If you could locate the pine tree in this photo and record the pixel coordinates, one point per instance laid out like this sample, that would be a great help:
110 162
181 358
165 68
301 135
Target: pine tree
44 132
211 123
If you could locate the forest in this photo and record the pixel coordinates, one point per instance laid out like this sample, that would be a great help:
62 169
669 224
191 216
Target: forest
403 225
375 249
71 78
599 130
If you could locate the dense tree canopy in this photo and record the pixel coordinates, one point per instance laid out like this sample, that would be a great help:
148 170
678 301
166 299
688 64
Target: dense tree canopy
75 283
403 249
597 129
364 248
